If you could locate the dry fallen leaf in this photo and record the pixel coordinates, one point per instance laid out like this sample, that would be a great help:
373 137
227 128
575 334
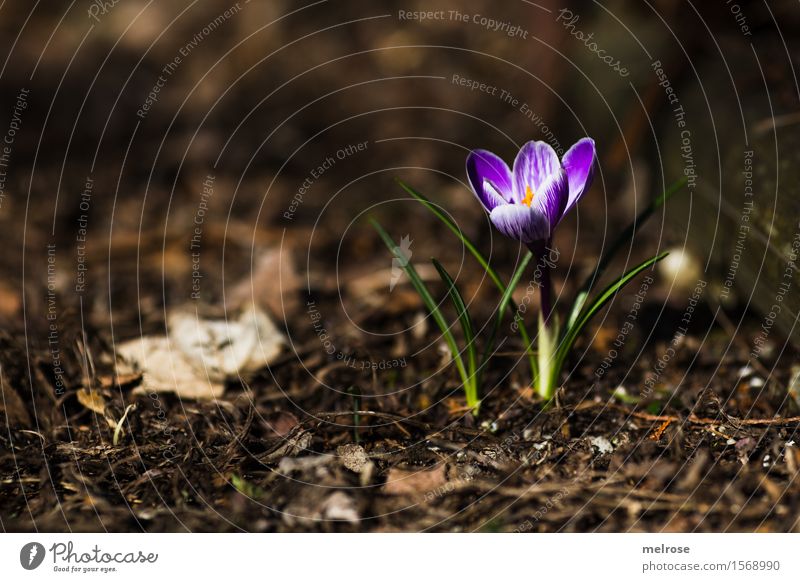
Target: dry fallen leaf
281 423
92 400
10 301
602 338
200 355
340 507
167 369
456 406
527 393
119 380
402 482
224 349
312 504
273 285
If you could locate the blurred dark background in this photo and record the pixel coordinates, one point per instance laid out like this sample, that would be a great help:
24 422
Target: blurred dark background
150 99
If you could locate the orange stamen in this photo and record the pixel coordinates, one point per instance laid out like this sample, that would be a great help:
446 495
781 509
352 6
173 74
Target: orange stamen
528 196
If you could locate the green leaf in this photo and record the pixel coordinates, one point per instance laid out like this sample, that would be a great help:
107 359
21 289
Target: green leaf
622 395
580 301
246 488
452 226
626 236
471 390
457 231
597 304
427 298
572 329
547 352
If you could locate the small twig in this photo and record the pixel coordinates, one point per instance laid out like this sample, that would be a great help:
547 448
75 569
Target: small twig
355 393
659 430
397 419
239 437
690 418
713 421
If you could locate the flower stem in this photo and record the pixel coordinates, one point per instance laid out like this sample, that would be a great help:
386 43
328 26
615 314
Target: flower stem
546 292
541 252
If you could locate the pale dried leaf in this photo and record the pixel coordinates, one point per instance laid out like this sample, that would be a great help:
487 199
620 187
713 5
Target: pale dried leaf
273 284
92 400
167 369
10 301
225 349
120 379
281 423
200 354
340 507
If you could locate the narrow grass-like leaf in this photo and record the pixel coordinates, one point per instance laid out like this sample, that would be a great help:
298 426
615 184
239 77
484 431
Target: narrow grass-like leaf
580 301
453 227
427 298
471 390
457 231
597 304
624 239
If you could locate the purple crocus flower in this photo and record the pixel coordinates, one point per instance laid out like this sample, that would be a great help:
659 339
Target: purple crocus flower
527 202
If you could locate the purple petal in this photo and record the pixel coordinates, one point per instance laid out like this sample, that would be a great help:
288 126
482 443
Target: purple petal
578 162
534 164
483 167
552 196
520 222
491 198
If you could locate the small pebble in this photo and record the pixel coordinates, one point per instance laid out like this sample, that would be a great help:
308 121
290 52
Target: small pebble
602 444
490 426
353 457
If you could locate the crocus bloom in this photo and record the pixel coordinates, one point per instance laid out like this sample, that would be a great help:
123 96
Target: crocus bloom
527 202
